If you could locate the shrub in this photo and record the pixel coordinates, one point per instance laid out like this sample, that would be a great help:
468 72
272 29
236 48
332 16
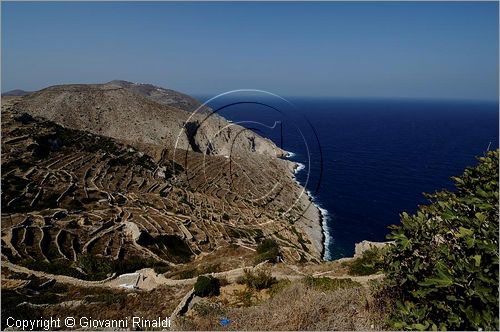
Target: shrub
260 280
267 250
279 286
443 268
207 286
370 262
245 297
329 284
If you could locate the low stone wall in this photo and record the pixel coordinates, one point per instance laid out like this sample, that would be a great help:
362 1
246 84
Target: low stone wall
58 278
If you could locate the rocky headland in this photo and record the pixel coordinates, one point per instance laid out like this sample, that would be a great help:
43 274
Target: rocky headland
124 171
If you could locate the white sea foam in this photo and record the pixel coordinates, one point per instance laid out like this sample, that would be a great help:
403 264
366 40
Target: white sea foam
299 168
325 215
289 154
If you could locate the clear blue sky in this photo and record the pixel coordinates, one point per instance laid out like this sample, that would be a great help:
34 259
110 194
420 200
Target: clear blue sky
384 49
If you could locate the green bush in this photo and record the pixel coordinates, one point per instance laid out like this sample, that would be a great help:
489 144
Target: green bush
443 269
370 262
267 250
262 279
206 286
279 286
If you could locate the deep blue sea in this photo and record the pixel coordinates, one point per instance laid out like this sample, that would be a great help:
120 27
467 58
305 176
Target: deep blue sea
366 161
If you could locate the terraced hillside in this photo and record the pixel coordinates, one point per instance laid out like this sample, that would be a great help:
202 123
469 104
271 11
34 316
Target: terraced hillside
82 204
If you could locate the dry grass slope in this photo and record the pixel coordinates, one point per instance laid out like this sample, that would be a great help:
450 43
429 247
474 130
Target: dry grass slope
297 307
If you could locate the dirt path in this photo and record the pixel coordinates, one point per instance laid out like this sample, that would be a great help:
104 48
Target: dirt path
148 279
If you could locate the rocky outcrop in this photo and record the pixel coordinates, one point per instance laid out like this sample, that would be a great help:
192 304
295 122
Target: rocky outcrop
365 245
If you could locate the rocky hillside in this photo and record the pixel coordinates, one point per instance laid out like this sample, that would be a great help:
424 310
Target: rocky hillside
161 95
140 114
82 198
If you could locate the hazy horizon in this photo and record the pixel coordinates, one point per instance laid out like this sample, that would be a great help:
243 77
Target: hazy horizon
388 50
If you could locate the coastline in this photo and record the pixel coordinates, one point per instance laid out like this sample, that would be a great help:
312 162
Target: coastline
314 218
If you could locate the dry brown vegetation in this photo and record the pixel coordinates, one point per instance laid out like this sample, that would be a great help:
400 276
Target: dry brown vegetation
43 298
115 304
296 306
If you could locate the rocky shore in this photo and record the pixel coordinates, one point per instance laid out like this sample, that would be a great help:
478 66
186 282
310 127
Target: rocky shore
312 220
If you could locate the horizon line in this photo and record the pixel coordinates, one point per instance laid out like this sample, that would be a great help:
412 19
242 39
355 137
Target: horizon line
305 96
